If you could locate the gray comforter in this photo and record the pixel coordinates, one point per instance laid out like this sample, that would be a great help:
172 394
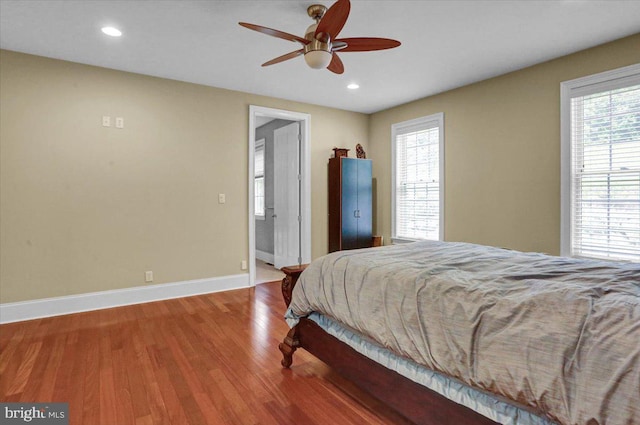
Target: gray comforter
559 335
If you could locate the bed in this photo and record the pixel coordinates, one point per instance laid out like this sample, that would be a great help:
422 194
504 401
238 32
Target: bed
457 333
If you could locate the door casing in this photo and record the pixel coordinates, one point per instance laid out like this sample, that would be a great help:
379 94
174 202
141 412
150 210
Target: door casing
305 182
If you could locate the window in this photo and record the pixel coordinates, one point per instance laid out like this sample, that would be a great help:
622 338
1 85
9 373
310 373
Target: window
601 165
418 179
259 180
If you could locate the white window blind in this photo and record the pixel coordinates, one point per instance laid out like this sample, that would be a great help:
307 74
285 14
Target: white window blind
259 179
418 179
605 170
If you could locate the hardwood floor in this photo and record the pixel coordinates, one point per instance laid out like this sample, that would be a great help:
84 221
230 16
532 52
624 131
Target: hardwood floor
209 359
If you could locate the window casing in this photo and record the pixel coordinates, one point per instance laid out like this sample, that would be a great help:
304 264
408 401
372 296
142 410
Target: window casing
418 179
601 166
259 189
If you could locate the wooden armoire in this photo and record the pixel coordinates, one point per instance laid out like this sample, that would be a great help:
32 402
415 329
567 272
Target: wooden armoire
350 203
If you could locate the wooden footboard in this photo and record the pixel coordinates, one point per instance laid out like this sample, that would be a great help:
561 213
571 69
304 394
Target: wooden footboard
415 402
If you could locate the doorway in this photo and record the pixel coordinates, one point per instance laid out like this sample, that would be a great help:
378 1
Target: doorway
280 216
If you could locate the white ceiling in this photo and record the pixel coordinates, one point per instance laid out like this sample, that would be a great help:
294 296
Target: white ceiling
445 44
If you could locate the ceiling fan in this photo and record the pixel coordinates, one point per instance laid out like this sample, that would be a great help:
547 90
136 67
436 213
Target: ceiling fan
320 42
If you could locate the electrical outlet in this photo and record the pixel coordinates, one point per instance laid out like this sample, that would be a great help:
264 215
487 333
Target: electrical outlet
243 265
222 198
106 121
148 276
119 122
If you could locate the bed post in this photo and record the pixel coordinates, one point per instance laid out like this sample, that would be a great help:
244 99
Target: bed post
288 347
290 343
292 273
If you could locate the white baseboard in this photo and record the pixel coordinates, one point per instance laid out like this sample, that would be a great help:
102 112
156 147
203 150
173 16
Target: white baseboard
265 256
47 307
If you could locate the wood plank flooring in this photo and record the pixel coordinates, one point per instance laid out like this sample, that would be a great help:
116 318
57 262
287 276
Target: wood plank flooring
209 359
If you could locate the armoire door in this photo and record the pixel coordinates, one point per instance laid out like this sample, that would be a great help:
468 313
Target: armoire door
349 203
364 206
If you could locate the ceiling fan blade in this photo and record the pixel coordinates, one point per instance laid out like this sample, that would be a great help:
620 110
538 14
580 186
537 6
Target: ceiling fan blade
284 57
334 19
364 44
274 33
336 66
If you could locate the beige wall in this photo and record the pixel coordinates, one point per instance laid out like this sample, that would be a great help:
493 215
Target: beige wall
86 208
502 151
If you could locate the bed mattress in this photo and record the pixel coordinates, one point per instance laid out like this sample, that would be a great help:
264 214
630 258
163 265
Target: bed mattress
559 336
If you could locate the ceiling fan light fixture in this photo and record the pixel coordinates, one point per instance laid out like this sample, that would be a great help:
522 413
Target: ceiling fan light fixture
317 53
317 59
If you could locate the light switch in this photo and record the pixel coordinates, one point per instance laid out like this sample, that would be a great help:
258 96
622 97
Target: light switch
148 276
222 198
119 122
106 121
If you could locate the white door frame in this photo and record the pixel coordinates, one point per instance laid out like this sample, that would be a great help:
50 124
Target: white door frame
305 184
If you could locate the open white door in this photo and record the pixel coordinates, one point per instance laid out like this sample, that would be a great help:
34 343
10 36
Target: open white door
287 196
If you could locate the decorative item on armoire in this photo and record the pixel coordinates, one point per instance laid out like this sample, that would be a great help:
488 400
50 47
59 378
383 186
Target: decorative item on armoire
340 152
360 153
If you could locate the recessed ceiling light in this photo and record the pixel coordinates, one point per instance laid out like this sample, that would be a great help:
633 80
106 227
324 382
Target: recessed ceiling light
353 86
113 32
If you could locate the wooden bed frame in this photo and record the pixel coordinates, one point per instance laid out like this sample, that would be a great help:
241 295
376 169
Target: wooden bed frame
413 401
